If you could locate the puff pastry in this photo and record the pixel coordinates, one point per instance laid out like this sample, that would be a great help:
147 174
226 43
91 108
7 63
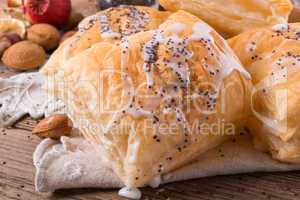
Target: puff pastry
272 56
234 16
154 101
121 21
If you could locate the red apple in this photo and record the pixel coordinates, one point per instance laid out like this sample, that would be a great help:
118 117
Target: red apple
55 12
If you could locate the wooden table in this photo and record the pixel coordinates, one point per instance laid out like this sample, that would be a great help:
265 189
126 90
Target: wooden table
17 177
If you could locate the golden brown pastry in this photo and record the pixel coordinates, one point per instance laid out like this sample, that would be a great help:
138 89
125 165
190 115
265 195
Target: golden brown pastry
232 17
121 21
155 100
272 56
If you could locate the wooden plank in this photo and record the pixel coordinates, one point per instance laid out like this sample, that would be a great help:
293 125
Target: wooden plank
26 123
17 178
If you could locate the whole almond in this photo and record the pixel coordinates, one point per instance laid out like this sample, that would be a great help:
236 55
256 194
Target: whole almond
24 55
53 127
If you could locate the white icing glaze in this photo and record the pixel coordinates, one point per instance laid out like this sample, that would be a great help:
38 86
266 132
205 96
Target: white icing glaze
87 23
177 47
201 27
149 55
124 54
177 28
116 117
227 61
105 29
110 34
138 112
178 50
133 149
137 22
251 45
133 193
155 182
281 27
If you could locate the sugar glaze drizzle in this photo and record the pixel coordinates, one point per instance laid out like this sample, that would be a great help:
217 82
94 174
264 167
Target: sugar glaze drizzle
136 22
180 54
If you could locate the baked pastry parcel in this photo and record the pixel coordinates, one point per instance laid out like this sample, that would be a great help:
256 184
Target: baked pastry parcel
232 17
272 57
155 100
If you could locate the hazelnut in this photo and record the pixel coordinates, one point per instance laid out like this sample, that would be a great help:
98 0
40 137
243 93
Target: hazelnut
44 35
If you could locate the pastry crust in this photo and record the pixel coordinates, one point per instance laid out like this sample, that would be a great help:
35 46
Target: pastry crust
120 21
156 100
232 17
272 56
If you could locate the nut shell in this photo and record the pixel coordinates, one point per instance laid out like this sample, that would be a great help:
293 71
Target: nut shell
53 127
45 35
24 55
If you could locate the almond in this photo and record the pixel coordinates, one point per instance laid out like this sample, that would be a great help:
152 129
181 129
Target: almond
44 35
24 55
53 127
